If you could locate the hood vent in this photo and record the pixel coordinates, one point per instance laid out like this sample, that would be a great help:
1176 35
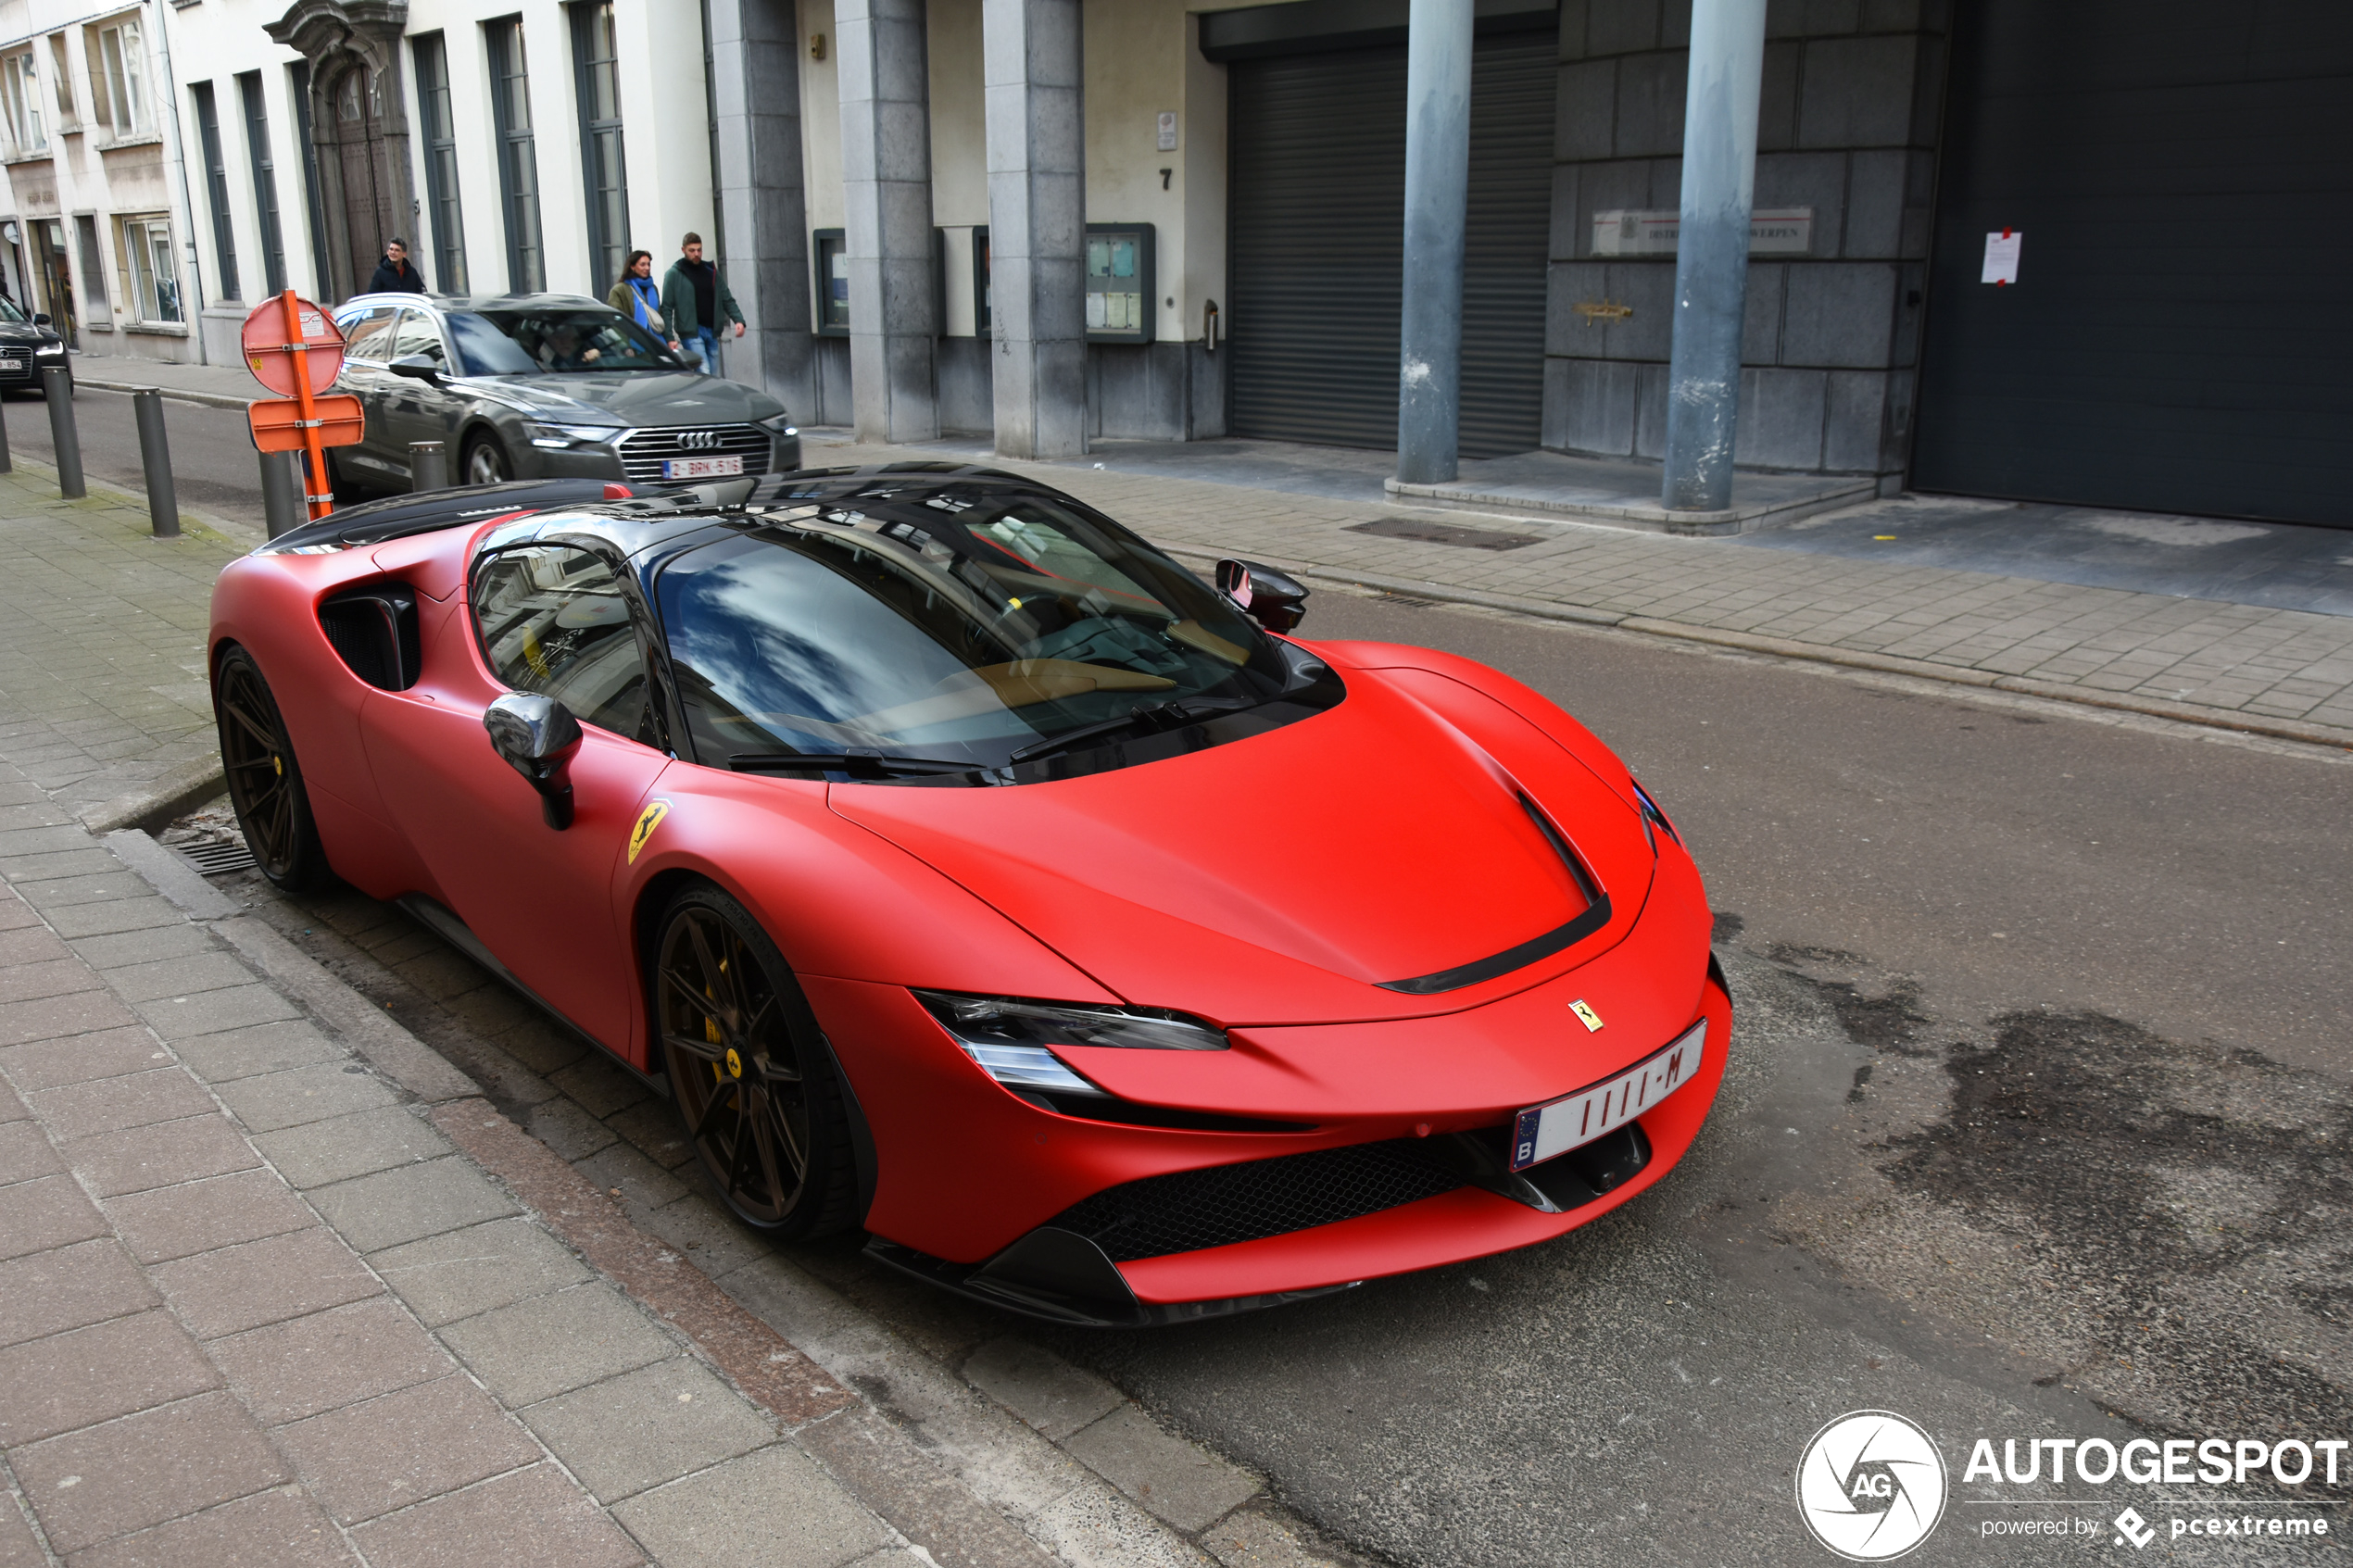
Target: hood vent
1594 915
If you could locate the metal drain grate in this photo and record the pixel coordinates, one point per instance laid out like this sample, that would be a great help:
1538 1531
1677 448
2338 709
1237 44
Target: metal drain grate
217 857
1444 534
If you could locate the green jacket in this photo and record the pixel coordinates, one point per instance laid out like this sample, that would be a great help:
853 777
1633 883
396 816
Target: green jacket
678 302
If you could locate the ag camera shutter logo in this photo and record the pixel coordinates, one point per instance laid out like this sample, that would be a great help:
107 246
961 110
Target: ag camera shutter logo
1871 1485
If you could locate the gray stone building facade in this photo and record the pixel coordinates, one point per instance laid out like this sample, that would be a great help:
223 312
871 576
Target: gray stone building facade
1893 138
1846 134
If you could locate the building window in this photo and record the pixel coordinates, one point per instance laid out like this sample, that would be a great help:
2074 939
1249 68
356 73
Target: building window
93 265
298 77
441 162
119 80
62 79
216 176
265 179
155 281
596 54
20 97
518 158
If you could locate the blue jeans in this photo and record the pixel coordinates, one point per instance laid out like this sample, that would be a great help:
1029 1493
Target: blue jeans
705 342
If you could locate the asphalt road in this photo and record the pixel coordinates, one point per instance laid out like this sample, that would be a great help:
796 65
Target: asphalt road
213 465
2035 1126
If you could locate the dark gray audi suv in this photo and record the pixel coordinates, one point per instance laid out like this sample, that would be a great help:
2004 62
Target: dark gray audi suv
542 386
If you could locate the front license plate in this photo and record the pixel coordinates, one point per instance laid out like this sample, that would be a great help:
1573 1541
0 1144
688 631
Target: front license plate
700 468
1573 1120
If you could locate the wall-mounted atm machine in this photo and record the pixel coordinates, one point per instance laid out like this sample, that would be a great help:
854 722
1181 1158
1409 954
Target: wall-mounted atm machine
1120 298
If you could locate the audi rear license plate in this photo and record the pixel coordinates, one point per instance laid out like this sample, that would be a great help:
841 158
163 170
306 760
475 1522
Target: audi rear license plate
1574 1121
700 468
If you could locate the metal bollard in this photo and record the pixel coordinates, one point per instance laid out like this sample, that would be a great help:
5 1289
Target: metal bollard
428 466
155 459
281 505
56 384
8 463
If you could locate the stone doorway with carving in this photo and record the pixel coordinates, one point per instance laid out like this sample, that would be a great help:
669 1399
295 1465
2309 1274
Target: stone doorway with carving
360 128
371 216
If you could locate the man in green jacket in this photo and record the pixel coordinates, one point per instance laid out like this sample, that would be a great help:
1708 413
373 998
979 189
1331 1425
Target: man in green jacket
693 297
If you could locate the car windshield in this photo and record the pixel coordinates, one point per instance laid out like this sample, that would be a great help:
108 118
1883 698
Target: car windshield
530 342
994 625
8 312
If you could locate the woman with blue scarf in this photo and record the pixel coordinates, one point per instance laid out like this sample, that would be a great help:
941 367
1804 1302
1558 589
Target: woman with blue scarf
639 298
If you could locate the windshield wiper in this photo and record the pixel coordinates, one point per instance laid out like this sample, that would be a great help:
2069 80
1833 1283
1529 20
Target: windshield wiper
851 762
1149 720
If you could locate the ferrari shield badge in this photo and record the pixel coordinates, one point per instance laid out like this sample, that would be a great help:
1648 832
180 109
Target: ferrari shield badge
651 819
1585 1015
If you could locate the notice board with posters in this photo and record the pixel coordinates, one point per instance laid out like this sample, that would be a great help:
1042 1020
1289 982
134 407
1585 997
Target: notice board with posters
1119 282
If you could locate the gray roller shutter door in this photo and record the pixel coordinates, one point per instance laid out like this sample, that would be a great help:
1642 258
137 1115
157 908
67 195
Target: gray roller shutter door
1316 214
2181 335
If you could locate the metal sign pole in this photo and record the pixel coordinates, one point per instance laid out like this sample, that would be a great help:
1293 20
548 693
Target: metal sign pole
321 504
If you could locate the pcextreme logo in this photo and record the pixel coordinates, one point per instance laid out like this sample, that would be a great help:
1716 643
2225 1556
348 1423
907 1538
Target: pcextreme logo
1870 1486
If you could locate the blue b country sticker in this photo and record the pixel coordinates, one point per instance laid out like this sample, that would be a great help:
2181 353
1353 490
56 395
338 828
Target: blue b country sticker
647 820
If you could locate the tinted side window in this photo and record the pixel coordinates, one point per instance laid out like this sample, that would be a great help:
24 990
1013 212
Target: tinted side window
367 336
552 620
418 334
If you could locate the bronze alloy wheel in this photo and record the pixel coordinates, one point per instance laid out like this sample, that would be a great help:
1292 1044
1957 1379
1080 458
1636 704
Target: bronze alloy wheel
754 1088
265 781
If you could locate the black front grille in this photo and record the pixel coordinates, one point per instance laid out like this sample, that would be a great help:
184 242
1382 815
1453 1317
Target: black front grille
1185 1211
15 364
644 451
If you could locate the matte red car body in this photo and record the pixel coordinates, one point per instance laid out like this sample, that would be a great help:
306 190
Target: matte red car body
1269 884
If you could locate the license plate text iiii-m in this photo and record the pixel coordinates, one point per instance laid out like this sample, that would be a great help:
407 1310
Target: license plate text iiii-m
1555 1127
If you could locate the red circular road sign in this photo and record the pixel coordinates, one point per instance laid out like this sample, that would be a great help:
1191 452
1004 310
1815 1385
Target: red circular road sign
266 340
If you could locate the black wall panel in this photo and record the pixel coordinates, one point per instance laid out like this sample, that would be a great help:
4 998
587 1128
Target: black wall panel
2180 334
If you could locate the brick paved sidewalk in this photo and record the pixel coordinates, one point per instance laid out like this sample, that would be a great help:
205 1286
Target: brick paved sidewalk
260 1307
103 690
2278 671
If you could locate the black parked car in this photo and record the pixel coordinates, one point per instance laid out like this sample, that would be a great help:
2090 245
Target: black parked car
543 386
28 346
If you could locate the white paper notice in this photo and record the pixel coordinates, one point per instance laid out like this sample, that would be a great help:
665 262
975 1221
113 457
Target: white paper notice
2001 256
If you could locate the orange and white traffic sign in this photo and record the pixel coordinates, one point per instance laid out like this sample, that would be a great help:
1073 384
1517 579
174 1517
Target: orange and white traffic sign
281 425
267 344
296 350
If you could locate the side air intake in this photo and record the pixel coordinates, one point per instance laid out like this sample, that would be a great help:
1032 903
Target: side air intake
374 632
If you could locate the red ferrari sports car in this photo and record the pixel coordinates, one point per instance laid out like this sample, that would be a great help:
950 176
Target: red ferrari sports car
967 870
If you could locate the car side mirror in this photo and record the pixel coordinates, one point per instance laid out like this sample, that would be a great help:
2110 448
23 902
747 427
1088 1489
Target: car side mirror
538 737
39 320
416 367
1273 599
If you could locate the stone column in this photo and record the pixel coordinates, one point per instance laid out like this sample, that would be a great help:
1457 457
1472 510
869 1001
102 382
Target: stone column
1033 75
1429 366
1711 253
763 207
893 256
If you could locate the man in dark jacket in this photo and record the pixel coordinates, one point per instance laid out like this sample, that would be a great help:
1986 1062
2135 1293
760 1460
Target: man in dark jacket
394 275
693 297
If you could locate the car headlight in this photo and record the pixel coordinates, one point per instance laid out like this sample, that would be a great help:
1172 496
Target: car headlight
1013 1039
573 435
1654 820
50 349
781 425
